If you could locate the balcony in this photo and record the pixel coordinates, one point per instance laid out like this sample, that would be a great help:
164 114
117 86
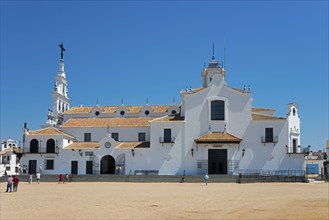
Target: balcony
26 150
270 139
167 140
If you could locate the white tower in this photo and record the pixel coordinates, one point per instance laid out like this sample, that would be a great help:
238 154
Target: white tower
214 70
60 99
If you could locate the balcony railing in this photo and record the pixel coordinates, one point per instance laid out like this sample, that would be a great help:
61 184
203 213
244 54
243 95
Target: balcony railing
270 139
26 150
167 140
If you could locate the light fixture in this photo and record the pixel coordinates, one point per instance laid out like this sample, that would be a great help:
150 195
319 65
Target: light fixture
80 152
133 152
243 150
192 151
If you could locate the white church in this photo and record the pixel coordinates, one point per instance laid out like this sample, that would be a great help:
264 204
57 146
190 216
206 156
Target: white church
214 129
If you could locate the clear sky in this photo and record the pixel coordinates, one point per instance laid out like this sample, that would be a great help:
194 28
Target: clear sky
139 49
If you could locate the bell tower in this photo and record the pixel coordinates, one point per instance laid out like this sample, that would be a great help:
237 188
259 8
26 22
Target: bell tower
212 71
60 100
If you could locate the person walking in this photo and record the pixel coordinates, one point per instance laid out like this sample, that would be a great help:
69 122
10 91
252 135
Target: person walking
60 178
15 182
9 184
206 179
38 177
40 168
30 178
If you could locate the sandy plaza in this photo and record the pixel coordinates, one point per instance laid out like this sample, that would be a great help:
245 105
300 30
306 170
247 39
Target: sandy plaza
106 200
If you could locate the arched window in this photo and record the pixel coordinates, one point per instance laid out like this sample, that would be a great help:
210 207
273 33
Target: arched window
218 110
50 146
34 146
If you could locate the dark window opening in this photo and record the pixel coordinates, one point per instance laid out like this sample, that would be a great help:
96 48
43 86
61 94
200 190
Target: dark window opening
87 137
141 136
268 134
218 110
122 113
115 136
49 164
50 146
147 112
167 135
173 112
34 146
97 113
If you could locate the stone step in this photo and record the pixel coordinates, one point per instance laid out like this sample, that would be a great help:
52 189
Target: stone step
132 178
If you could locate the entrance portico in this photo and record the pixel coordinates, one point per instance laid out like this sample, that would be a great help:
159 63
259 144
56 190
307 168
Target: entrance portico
107 165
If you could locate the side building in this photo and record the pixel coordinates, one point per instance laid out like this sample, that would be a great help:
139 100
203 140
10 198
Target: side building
215 129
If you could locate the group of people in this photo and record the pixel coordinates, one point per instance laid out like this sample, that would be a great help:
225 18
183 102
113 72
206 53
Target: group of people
64 178
38 175
12 184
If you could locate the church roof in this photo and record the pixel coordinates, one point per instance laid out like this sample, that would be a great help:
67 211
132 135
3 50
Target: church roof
132 144
82 145
254 109
113 109
169 118
262 117
7 150
49 131
107 122
217 137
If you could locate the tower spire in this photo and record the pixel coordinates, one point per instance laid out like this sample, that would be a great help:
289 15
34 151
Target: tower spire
213 51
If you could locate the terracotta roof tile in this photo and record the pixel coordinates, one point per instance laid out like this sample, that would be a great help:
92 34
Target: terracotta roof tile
169 118
261 117
112 109
217 137
254 109
104 122
7 150
132 144
82 145
79 110
49 131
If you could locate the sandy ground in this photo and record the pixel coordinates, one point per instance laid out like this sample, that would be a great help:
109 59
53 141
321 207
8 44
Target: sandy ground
166 201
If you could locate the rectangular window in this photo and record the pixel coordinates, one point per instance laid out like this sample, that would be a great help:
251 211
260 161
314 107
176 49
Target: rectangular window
167 135
115 136
8 168
141 136
218 110
268 134
49 164
87 137
294 145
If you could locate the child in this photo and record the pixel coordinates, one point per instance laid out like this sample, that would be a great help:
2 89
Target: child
206 178
30 179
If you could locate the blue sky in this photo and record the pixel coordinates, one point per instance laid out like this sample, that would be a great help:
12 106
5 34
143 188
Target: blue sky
138 49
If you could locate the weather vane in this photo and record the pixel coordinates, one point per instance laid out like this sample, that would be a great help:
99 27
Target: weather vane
62 50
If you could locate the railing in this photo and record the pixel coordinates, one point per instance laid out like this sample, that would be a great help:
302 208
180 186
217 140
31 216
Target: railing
272 175
167 140
26 150
271 139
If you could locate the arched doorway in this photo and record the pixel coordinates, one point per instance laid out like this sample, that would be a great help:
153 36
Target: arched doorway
107 165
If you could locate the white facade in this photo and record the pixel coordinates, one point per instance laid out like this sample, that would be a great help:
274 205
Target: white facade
8 157
213 130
